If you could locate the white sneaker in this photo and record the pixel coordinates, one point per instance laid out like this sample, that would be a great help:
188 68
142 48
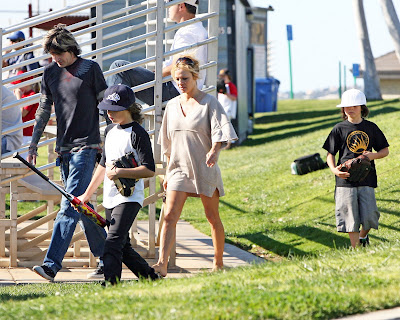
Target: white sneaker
97 274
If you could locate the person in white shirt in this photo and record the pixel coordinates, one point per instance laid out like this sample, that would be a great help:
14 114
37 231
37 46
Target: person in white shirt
9 118
185 36
124 136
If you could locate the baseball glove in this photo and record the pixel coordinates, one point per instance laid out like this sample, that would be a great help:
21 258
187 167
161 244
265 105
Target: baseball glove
358 168
125 186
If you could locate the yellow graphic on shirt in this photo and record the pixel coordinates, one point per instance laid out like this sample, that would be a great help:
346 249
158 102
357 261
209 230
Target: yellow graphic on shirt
357 141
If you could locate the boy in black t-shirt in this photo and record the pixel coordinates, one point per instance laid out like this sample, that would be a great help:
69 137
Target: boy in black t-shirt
355 201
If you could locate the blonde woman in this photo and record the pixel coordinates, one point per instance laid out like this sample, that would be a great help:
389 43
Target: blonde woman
194 129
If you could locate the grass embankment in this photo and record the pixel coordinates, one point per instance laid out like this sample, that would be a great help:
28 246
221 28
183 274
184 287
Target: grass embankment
288 219
329 285
269 211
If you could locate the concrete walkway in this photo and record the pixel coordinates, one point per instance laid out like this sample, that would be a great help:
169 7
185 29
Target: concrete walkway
194 254
390 314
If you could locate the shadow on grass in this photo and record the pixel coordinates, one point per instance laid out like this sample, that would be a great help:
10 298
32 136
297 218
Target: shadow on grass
261 240
255 142
20 297
317 235
258 131
301 115
324 124
382 225
231 206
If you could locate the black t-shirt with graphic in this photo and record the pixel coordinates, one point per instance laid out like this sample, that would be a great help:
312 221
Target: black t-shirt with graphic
351 140
74 91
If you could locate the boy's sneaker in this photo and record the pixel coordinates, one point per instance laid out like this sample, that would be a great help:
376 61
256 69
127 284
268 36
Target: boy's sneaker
364 242
44 272
97 274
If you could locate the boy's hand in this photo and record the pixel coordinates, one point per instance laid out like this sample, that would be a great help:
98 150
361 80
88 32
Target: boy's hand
341 174
111 171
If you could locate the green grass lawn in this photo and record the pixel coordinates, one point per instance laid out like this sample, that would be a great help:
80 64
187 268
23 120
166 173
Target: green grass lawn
287 219
271 212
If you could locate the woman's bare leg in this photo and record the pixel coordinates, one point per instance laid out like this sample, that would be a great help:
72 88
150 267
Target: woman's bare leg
173 209
217 229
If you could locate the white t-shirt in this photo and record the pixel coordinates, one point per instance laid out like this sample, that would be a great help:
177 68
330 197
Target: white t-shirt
186 36
228 105
120 140
9 118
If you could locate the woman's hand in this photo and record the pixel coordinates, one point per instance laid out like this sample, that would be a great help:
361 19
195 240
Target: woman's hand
212 158
213 154
111 172
165 184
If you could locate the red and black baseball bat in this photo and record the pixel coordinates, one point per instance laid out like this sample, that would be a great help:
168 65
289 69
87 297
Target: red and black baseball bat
82 207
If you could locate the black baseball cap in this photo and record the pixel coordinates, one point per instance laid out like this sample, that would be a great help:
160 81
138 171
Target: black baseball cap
117 98
17 35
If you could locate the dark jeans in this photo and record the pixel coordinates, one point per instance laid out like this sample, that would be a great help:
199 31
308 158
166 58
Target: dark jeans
76 171
118 247
137 76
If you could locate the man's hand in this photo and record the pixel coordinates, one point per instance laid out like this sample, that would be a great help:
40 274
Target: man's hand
32 155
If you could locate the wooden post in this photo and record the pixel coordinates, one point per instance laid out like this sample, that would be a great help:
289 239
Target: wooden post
13 218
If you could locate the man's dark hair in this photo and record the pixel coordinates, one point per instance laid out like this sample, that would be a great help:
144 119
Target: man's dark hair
59 40
191 9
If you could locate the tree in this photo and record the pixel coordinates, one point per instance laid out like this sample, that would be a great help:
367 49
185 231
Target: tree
392 21
371 81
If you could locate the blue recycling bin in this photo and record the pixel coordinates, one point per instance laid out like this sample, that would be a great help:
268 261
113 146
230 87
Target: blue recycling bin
267 94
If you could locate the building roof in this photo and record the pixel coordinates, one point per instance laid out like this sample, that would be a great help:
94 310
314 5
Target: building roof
387 66
388 62
68 20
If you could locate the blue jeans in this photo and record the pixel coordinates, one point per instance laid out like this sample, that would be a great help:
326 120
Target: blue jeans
76 172
139 75
4 145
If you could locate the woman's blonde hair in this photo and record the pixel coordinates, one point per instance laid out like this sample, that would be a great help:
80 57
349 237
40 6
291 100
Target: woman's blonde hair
186 62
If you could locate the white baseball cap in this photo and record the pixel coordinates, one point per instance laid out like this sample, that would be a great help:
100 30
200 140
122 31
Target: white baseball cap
352 98
192 3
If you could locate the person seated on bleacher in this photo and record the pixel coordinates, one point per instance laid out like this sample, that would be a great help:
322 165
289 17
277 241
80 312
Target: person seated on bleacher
9 118
185 36
16 37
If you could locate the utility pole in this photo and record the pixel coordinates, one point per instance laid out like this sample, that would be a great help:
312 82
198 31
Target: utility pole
340 80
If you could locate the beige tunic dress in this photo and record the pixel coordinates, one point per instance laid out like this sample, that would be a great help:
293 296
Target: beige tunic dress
187 139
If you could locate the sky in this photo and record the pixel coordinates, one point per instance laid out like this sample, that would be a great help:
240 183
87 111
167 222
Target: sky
323 34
